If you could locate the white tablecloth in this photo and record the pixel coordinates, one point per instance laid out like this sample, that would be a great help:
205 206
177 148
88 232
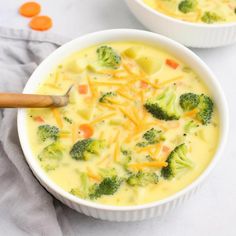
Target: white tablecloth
213 210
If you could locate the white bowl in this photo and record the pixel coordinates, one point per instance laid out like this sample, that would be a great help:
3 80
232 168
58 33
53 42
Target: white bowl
190 34
124 213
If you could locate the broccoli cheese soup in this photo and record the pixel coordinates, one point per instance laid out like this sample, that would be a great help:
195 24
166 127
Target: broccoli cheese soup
140 125
199 11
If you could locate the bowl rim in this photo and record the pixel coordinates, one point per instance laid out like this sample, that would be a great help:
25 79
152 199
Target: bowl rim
185 23
161 40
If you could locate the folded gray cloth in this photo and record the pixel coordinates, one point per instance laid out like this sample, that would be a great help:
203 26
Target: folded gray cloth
26 208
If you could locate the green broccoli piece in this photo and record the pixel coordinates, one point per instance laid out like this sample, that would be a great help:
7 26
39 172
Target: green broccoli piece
47 132
151 136
108 57
190 125
83 149
187 6
177 162
103 98
164 106
108 186
189 101
205 109
203 104
51 156
142 179
210 17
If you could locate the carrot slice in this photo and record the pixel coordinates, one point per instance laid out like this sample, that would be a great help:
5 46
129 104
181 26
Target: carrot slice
39 119
83 89
87 130
30 9
143 84
173 64
41 23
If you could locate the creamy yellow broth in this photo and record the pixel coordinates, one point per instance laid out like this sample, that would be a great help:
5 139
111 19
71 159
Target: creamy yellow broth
200 11
121 122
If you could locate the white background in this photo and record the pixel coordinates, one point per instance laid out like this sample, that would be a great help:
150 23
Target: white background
213 210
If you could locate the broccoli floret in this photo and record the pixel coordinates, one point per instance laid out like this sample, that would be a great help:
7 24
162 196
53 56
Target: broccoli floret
203 104
210 17
108 186
51 155
142 179
164 106
189 101
187 6
177 162
104 97
82 149
47 132
151 136
205 109
190 125
108 57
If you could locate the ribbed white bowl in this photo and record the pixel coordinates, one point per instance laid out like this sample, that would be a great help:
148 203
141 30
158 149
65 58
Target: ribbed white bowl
115 213
187 33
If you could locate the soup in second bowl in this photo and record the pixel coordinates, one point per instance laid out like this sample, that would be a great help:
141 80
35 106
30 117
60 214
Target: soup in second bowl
140 125
197 11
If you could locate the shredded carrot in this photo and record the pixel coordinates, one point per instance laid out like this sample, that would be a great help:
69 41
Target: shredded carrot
102 160
30 9
124 95
173 64
39 119
83 89
169 81
129 116
41 23
102 118
191 113
155 164
156 86
57 116
87 130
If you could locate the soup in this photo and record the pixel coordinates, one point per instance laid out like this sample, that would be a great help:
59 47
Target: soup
199 11
140 125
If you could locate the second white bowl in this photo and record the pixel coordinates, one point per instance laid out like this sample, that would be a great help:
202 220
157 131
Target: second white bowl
187 33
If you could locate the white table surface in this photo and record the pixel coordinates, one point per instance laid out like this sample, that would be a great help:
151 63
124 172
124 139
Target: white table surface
212 211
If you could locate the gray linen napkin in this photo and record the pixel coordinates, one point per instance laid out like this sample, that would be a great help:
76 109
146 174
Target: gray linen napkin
26 208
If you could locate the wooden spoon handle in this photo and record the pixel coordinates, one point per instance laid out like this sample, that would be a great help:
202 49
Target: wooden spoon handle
11 100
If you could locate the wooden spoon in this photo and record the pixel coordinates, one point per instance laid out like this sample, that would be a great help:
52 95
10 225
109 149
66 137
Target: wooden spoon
17 100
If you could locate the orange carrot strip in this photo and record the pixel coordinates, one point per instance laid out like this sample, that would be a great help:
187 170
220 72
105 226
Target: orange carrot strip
57 117
191 113
87 130
173 64
30 9
155 164
41 23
